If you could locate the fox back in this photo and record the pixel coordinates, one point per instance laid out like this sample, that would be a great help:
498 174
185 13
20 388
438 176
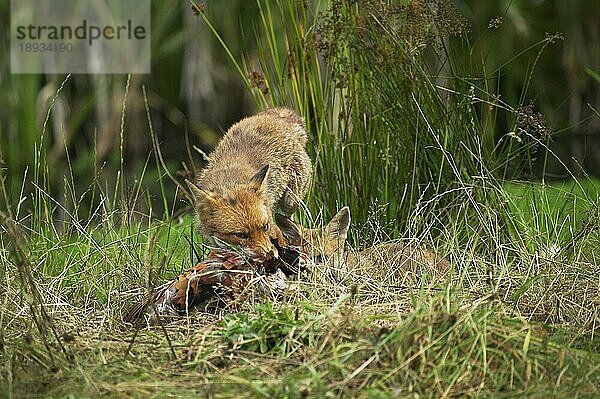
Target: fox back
259 166
399 263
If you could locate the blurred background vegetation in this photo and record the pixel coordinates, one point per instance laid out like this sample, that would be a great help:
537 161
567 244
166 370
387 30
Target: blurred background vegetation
484 84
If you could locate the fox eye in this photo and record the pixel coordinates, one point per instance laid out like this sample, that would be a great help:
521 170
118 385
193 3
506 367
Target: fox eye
266 227
242 236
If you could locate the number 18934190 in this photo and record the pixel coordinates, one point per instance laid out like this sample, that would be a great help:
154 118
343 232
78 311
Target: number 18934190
46 47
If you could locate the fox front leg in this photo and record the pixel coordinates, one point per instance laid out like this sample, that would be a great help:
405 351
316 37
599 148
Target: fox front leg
288 203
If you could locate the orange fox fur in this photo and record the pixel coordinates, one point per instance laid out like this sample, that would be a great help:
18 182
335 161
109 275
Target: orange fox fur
398 261
259 167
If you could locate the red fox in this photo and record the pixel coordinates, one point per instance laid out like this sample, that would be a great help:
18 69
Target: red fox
394 262
259 167
321 245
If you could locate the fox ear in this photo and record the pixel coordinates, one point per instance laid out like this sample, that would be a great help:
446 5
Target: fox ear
199 193
290 230
338 227
256 181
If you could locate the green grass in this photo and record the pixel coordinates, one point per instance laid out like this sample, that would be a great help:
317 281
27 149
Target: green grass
515 316
566 207
527 327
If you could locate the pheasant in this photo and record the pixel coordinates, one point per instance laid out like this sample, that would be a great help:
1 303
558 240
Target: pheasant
224 277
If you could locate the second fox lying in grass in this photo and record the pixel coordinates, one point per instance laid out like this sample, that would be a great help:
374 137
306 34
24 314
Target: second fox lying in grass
394 262
260 166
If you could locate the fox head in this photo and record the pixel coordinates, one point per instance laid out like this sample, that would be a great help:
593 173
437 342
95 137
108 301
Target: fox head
325 245
240 216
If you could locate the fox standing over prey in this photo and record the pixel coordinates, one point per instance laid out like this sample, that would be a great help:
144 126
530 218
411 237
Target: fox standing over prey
259 167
